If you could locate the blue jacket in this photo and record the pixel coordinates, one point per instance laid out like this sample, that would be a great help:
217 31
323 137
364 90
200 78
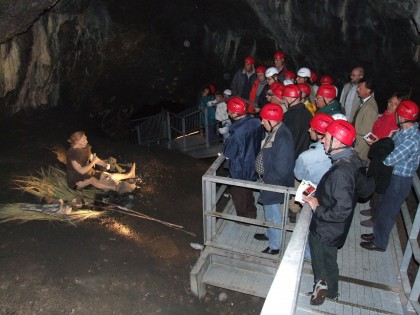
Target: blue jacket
313 163
242 147
278 161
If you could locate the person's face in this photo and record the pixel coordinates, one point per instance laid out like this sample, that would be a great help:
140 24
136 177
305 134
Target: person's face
266 125
363 91
82 142
355 76
261 77
393 103
275 100
206 92
300 80
248 67
270 80
320 101
219 98
327 141
279 63
313 134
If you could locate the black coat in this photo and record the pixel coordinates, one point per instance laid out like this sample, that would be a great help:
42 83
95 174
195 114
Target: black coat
297 119
337 198
381 172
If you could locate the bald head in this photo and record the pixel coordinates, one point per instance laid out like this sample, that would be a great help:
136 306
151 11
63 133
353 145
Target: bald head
356 74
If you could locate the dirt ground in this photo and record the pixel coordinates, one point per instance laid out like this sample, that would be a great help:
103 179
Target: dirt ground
112 265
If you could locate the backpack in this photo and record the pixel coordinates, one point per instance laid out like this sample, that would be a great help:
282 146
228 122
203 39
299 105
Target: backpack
365 186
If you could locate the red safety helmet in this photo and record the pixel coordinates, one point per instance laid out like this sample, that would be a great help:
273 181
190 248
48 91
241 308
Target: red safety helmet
261 69
272 111
408 109
277 91
275 85
291 90
279 55
320 122
343 131
212 89
327 90
236 105
290 75
314 76
249 60
304 88
326 79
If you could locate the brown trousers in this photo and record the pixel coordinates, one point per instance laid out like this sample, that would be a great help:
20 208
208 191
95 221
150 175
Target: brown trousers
244 202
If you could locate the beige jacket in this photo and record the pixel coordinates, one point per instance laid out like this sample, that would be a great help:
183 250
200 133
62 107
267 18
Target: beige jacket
363 124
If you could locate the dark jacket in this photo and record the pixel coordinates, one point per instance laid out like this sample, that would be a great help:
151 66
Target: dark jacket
378 151
279 162
241 84
337 198
297 119
242 147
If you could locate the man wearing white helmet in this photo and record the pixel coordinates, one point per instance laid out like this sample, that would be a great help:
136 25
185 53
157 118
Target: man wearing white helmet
271 74
222 115
304 76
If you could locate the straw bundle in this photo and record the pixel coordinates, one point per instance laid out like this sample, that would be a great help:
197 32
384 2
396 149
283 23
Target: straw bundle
52 183
24 212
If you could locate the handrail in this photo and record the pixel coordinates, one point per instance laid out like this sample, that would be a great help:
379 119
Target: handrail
284 290
412 252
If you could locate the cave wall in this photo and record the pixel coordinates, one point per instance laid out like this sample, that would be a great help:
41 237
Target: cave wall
134 57
332 37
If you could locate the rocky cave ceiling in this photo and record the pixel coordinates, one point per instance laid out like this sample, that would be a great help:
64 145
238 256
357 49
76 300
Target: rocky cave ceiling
94 55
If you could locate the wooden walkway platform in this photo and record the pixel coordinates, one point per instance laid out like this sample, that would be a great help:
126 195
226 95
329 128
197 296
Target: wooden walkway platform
368 280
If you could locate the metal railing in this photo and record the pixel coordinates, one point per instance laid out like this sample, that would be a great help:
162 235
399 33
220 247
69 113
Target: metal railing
284 289
167 126
211 196
283 293
412 252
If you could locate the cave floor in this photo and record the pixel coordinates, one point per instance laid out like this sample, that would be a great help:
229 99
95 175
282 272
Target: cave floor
115 264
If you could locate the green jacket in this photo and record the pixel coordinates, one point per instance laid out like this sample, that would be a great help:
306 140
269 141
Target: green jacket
332 108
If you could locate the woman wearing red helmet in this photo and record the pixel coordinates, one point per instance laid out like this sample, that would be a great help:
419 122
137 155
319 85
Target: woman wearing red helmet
274 165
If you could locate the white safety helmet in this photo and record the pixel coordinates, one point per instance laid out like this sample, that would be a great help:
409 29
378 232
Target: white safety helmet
288 81
271 71
304 73
227 92
339 116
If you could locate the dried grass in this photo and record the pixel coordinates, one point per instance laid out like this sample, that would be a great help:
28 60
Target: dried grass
52 183
24 212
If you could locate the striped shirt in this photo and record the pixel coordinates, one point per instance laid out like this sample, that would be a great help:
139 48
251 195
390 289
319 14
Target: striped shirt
405 158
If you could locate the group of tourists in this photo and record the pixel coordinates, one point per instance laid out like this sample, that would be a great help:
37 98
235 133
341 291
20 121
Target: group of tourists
283 128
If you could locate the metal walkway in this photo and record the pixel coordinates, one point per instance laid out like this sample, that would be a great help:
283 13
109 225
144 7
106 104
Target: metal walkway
370 282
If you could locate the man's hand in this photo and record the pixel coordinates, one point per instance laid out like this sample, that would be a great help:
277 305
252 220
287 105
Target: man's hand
313 202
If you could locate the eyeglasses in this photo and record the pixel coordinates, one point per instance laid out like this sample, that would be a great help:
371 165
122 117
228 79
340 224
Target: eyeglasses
270 94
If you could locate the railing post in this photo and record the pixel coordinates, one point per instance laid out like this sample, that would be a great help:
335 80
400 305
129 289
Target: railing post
206 127
184 139
138 134
169 131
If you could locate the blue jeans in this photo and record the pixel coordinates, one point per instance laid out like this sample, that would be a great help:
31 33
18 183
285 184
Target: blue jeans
272 214
388 207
